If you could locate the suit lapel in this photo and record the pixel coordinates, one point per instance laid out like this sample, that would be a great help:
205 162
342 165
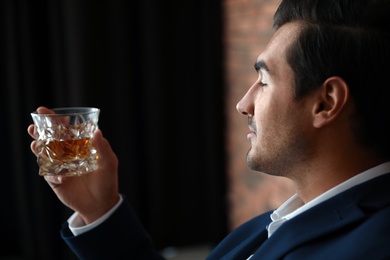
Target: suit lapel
306 227
344 209
248 246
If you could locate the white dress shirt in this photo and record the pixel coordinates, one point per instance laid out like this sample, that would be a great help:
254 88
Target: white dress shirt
77 225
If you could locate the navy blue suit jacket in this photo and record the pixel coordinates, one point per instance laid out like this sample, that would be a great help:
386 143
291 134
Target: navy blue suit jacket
352 225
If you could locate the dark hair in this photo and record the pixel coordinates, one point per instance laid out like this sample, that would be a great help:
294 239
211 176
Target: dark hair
349 39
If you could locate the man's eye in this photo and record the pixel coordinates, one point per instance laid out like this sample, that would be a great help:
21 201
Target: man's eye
263 84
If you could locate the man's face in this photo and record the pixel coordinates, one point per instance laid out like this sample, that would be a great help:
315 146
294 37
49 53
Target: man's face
278 123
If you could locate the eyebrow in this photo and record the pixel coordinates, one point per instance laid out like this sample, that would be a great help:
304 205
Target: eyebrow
260 65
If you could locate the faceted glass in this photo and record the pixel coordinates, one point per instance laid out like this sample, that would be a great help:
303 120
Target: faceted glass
64 141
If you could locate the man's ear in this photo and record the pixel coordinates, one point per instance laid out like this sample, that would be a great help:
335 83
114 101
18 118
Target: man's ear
331 100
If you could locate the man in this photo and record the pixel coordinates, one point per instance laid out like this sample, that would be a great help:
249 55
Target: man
318 114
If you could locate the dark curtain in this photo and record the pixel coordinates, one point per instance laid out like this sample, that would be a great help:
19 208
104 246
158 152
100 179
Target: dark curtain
154 68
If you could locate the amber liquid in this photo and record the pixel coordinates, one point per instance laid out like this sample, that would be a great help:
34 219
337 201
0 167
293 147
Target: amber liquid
69 149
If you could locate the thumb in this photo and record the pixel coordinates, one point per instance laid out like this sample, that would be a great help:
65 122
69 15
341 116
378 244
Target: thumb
106 155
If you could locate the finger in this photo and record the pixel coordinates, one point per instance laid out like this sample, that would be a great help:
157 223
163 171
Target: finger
44 110
54 181
104 149
101 144
39 110
60 120
33 147
30 130
97 138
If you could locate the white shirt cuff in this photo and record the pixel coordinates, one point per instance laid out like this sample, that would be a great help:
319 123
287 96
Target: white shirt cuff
77 225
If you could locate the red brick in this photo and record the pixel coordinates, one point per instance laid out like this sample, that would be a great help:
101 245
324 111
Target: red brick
248 28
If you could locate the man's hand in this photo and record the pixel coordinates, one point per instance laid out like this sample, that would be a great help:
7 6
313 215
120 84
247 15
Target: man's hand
93 194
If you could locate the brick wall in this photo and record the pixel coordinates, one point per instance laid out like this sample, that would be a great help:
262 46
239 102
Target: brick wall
248 28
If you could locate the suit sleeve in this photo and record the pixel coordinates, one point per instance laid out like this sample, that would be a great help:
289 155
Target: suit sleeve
121 236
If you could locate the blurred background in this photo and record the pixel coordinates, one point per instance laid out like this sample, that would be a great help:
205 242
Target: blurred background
167 76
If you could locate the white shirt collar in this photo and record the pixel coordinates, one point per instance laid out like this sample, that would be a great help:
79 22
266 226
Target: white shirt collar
295 206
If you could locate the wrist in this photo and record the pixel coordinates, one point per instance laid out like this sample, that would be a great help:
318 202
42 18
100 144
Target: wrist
97 212
77 225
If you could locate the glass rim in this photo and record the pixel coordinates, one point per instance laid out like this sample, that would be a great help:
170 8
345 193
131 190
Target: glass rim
69 111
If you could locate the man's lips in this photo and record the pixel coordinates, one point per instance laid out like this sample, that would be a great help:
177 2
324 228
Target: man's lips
252 129
251 134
